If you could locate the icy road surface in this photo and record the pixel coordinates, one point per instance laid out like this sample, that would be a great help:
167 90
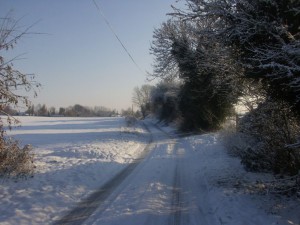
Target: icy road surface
176 180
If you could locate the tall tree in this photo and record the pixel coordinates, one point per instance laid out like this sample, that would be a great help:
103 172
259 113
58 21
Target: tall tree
208 74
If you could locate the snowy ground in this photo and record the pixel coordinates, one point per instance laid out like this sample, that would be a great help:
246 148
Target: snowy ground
189 180
74 156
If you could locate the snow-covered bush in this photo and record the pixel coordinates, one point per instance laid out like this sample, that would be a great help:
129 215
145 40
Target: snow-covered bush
235 142
14 160
267 134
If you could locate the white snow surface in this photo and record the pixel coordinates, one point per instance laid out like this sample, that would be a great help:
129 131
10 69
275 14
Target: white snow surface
183 180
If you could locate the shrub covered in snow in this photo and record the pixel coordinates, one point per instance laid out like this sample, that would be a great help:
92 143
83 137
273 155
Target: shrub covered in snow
14 160
266 137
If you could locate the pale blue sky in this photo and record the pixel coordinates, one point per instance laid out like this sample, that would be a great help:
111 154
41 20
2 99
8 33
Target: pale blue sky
79 60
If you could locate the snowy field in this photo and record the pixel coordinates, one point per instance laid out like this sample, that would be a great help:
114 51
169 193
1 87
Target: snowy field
188 180
74 156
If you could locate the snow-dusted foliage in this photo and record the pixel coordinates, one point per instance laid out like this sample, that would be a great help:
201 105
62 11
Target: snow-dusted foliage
264 37
165 65
270 131
268 34
15 161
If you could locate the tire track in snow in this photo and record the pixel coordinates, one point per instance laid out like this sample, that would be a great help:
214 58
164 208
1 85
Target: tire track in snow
176 207
177 196
86 207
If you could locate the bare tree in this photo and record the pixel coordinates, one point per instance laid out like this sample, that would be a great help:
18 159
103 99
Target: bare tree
12 81
141 98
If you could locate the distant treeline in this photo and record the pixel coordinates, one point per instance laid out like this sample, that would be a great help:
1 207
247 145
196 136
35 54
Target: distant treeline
71 111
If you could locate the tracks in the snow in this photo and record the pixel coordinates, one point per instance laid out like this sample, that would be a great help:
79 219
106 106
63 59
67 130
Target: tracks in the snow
86 207
176 207
177 197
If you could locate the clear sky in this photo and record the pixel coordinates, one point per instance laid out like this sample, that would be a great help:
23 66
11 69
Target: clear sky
78 60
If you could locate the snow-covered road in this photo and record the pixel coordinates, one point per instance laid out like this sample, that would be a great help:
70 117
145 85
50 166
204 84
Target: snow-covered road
181 180
171 187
